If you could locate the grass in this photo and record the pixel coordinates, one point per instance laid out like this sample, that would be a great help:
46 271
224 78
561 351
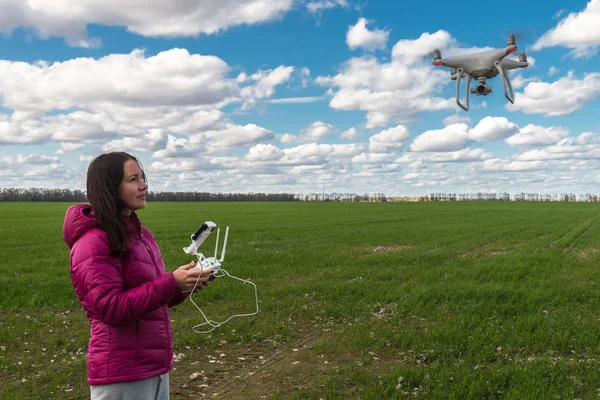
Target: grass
381 300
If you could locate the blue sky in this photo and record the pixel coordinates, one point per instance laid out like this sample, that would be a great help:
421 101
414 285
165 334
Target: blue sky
298 95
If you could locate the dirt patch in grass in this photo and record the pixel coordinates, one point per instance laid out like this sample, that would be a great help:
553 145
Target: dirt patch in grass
258 371
586 254
390 248
236 371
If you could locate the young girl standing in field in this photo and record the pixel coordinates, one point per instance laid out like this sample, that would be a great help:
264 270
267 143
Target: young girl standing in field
120 279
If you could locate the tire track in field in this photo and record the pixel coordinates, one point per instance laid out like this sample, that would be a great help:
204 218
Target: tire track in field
493 242
578 231
243 371
261 369
567 246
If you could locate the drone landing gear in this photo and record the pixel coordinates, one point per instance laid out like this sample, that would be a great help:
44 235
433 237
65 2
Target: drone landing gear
459 74
505 82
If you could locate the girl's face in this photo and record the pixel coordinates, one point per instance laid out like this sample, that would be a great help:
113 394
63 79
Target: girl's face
133 189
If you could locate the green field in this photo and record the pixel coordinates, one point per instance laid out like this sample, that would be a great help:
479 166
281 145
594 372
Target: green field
473 300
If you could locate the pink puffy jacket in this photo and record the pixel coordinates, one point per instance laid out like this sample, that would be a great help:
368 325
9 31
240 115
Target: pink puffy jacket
126 301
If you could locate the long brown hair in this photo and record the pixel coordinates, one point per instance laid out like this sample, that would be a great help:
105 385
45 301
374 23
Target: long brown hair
104 175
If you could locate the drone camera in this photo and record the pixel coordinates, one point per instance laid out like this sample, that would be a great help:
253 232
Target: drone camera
482 90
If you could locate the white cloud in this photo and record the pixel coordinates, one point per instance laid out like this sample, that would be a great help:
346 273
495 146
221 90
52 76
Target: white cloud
450 138
316 132
174 77
297 100
231 136
153 141
315 154
159 18
265 84
388 140
373 158
351 134
32 170
456 119
386 90
579 31
318 6
492 128
417 159
535 135
553 70
398 90
507 165
264 152
562 97
586 146
358 36
412 50
69 147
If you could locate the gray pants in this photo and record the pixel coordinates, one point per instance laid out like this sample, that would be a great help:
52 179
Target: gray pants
154 388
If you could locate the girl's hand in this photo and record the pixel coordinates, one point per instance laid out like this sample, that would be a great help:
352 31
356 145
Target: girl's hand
186 279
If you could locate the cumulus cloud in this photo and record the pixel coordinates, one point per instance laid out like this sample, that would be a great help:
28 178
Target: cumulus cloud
232 135
398 90
318 6
450 138
351 134
535 135
359 36
508 165
161 18
419 159
562 97
385 90
264 152
297 100
388 140
32 170
578 31
456 119
264 84
586 146
316 132
174 92
152 141
412 50
174 77
492 128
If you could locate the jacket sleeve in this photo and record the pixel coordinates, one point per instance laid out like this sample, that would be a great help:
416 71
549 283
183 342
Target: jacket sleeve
178 299
102 290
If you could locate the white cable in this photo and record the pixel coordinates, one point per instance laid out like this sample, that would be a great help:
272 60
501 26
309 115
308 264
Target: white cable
215 324
193 249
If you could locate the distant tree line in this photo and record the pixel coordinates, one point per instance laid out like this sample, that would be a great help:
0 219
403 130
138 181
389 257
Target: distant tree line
74 196
342 197
564 197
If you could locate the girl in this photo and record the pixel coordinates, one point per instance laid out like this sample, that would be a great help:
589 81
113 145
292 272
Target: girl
120 279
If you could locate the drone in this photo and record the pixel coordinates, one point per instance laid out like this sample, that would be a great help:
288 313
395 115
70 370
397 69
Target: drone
482 66
214 265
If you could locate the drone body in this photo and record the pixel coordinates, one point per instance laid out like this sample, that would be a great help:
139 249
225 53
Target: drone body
482 66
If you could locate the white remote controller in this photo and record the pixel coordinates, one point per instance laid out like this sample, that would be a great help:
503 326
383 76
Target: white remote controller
208 264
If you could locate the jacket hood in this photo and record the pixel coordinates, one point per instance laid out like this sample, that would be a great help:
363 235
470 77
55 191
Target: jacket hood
78 220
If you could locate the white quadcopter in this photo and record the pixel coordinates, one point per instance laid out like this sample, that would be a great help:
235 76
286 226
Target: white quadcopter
482 66
212 264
